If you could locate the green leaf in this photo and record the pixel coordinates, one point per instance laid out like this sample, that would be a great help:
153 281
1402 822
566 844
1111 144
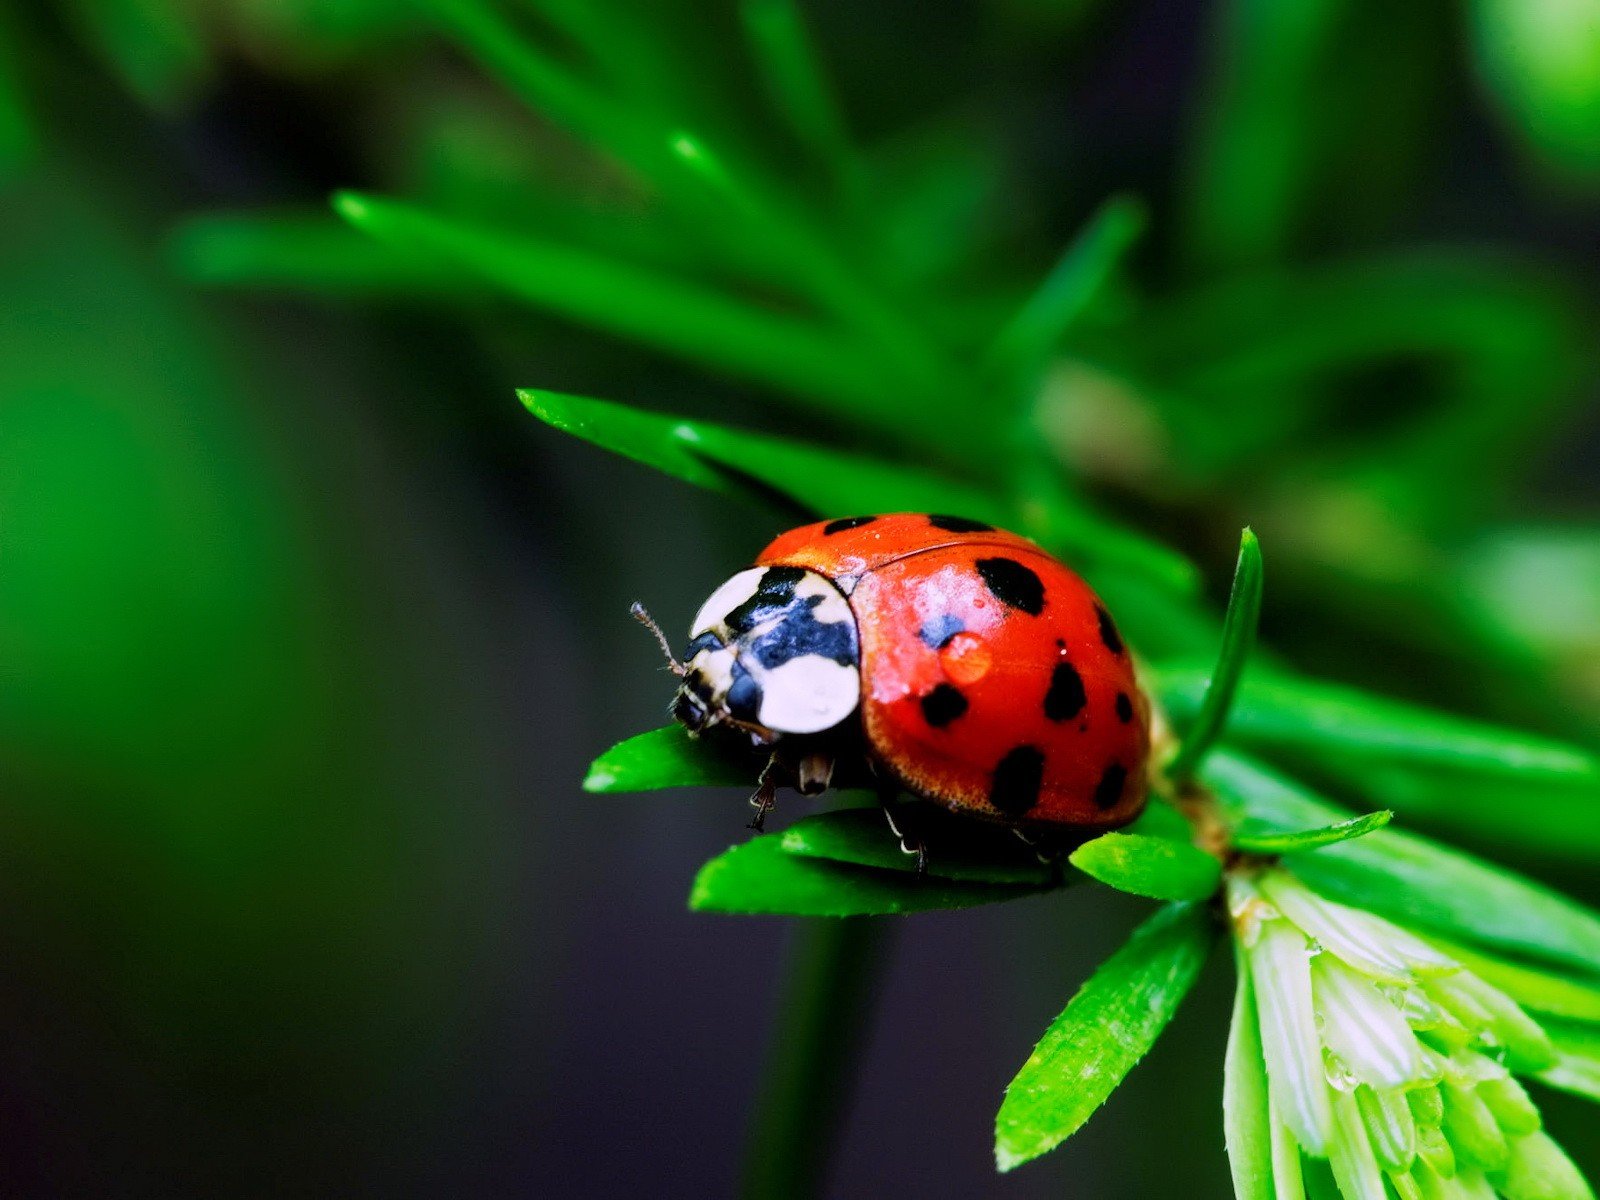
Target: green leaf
1238 639
821 482
805 479
1411 879
1251 842
1107 1028
1246 1115
958 847
797 357
760 876
1149 866
667 758
1070 289
1319 720
1534 989
1577 1068
305 252
798 85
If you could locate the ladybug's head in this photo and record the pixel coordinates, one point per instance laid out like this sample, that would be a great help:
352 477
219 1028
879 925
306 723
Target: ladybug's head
772 652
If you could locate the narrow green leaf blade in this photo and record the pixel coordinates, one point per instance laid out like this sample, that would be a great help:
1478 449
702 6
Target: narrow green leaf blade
796 82
958 848
797 357
1149 866
1246 1115
1279 712
1071 288
1106 1029
1252 842
1238 639
1536 990
1577 1068
809 480
305 252
666 758
1411 879
761 877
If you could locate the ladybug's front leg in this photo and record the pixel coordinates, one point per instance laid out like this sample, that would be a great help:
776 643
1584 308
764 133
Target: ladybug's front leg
766 793
910 841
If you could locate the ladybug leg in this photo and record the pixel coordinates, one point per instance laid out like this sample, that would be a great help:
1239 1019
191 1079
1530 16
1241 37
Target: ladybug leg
910 842
1048 850
766 793
814 774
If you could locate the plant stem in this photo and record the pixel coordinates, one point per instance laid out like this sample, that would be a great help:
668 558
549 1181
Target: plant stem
819 1028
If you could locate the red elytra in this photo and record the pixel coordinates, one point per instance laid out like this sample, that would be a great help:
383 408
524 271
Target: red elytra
993 679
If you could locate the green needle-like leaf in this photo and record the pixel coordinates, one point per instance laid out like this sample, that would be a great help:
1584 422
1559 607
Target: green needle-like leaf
1280 712
1107 1028
1577 1068
315 253
1537 990
761 877
1246 1114
812 480
667 758
1149 866
799 88
806 479
958 848
1252 842
1070 289
1238 639
795 356
1411 879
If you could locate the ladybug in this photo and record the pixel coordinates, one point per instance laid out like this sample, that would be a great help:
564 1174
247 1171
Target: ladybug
946 657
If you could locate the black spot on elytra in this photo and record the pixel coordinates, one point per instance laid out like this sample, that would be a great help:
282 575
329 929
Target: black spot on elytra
1124 708
843 523
958 524
1108 630
943 705
940 630
1109 790
1066 696
773 594
1013 584
1017 779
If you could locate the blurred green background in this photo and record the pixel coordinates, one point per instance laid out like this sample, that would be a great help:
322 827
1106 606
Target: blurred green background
307 630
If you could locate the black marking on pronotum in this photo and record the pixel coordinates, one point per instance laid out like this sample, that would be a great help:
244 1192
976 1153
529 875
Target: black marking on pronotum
773 594
943 705
1108 630
1066 696
799 633
1017 779
1124 708
937 632
843 523
1013 584
958 524
706 641
1109 790
744 695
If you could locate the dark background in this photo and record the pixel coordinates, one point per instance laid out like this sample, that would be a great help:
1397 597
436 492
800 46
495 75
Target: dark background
308 632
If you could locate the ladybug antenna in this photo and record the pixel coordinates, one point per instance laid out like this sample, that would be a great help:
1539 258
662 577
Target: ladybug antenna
644 618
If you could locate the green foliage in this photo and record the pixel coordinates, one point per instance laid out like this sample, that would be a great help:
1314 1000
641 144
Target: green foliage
1245 839
1411 879
1149 866
1246 1109
1238 639
1106 1029
955 849
763 876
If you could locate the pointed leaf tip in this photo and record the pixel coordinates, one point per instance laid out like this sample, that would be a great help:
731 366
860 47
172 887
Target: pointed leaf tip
1156 867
